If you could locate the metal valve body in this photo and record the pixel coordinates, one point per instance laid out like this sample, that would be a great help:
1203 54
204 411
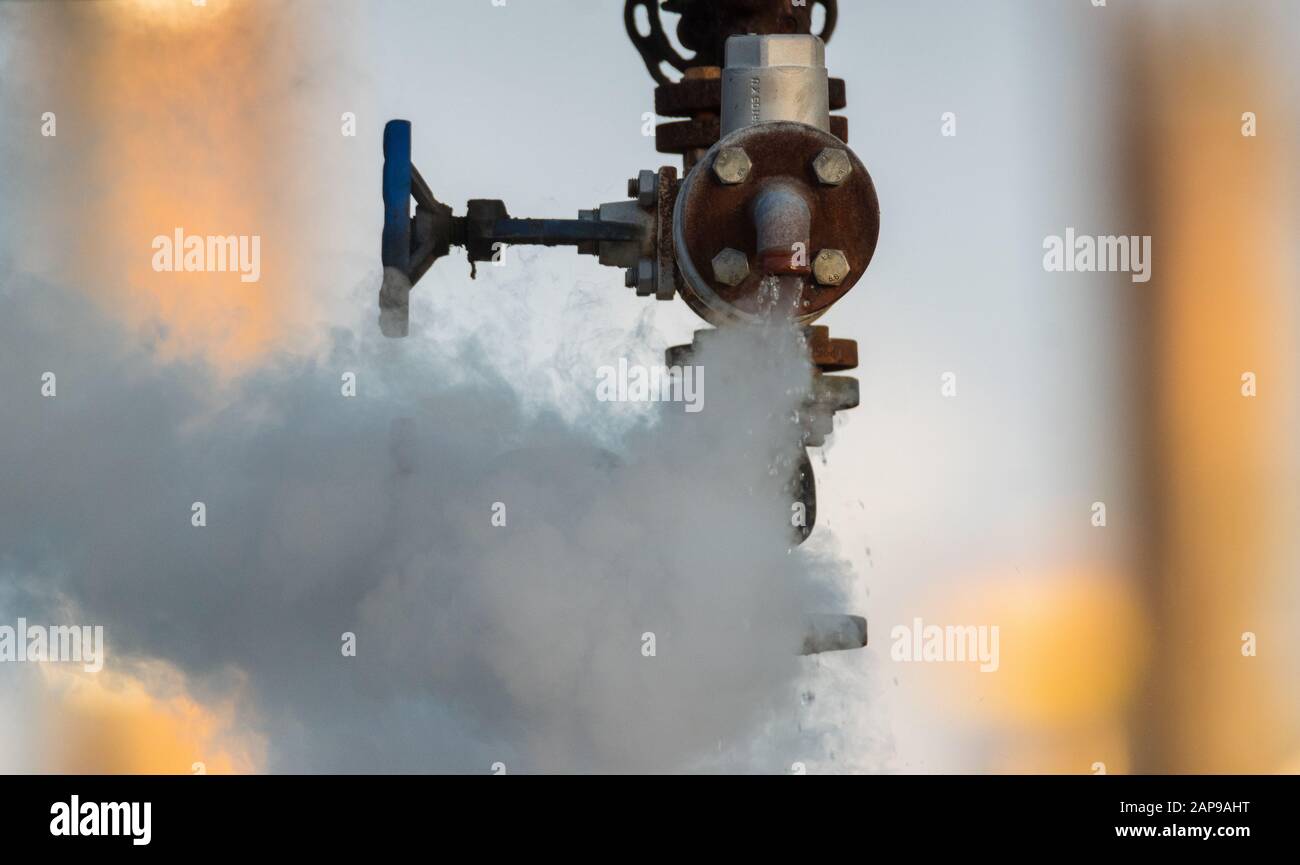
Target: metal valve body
775 218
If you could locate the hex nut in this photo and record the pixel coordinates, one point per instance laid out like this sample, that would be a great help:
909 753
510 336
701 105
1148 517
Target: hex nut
831 267
833 166
646 274
647 188
731 165
730 267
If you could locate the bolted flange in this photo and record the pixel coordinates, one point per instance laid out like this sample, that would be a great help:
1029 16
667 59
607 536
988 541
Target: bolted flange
710 215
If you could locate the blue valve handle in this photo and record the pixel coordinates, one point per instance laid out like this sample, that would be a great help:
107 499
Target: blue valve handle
411 245
397 195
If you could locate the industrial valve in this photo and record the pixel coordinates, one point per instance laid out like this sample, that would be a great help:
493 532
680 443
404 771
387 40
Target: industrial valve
775 218
622 233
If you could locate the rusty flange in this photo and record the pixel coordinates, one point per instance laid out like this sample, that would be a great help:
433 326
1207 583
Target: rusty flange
700 133
827 354
826 395
696 94
712 215
665 256
830 355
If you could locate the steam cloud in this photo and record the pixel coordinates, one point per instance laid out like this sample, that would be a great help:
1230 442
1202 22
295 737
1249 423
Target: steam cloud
521 644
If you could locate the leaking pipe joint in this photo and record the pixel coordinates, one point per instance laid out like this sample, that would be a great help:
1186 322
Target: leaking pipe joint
783 224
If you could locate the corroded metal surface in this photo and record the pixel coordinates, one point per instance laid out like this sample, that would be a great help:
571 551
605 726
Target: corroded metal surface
712 216
830 355
691 96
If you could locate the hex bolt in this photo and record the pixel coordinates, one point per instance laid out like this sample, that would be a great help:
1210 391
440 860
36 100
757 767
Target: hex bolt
730 267
629 277
731 165
833 166
831 267
633 187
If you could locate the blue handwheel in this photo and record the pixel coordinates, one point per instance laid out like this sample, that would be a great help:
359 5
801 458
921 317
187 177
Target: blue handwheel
397 195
